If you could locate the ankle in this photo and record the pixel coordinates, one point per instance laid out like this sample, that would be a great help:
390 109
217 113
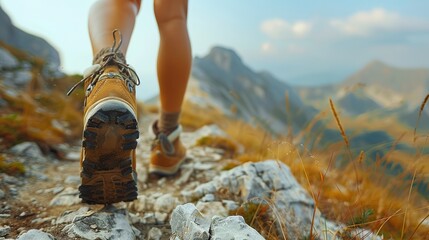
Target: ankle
168 122
99 57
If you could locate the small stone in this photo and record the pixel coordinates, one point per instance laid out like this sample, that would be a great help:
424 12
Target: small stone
54 190
230 205
75 156
42 220
208 198
149 218
13 191
2 194
72 180
23 214
22 77
4 231
154 234
184 177
57 190
4 215
10 180
162 181
157 194
7 59
28 149
161 217
34 234
203 166
68 197
93 226
39 176
166 203
139 204
134 218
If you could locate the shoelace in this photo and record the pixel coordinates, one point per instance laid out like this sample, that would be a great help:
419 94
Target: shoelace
125 69
166 146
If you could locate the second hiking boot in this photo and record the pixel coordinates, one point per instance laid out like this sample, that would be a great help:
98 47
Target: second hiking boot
167 153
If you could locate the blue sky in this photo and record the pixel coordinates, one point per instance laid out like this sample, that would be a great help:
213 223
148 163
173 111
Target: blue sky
301 42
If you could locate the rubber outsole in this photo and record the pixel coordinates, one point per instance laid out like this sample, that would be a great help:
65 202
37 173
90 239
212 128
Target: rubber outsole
166 171
109 139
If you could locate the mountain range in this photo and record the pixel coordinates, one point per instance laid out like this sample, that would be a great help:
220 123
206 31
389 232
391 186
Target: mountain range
223 80
376 88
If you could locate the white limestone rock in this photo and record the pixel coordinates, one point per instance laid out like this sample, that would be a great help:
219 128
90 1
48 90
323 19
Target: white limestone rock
254 182
4 231
28 149
154 234
211 209
7 60
35 234
188 223
109 223
234 228
165 203
68 197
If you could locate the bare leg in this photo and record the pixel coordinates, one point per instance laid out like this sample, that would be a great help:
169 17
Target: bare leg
174 55
107 15
110 112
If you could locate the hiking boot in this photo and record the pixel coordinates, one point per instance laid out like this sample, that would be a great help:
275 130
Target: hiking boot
167 153
110 133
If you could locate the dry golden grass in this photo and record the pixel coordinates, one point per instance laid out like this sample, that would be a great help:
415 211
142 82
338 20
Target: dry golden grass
337 120
383 204
194 117
11 167
422 106
47 117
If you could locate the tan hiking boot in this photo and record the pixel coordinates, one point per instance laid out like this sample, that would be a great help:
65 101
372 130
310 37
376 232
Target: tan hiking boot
110 130
168 152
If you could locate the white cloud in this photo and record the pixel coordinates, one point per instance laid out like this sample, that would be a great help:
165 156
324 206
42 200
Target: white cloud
301 28
275 28
267 47
278 28
376 21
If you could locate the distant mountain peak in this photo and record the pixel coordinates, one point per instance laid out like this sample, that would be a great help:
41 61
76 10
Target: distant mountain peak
223 57
377 64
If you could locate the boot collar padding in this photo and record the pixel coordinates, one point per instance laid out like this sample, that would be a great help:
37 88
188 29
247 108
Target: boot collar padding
171 137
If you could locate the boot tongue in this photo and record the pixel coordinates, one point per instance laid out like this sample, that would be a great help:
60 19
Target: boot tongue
111 68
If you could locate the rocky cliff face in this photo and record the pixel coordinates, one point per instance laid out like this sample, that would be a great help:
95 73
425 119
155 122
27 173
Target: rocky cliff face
222 79
30 44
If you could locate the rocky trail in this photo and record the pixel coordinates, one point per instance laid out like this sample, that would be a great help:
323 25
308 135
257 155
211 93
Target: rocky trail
194 204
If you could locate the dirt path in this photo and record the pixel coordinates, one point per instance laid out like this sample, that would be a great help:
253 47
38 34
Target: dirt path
49 190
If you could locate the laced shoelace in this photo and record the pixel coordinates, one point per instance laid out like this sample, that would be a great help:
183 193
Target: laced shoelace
162 140
109 59
166 146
